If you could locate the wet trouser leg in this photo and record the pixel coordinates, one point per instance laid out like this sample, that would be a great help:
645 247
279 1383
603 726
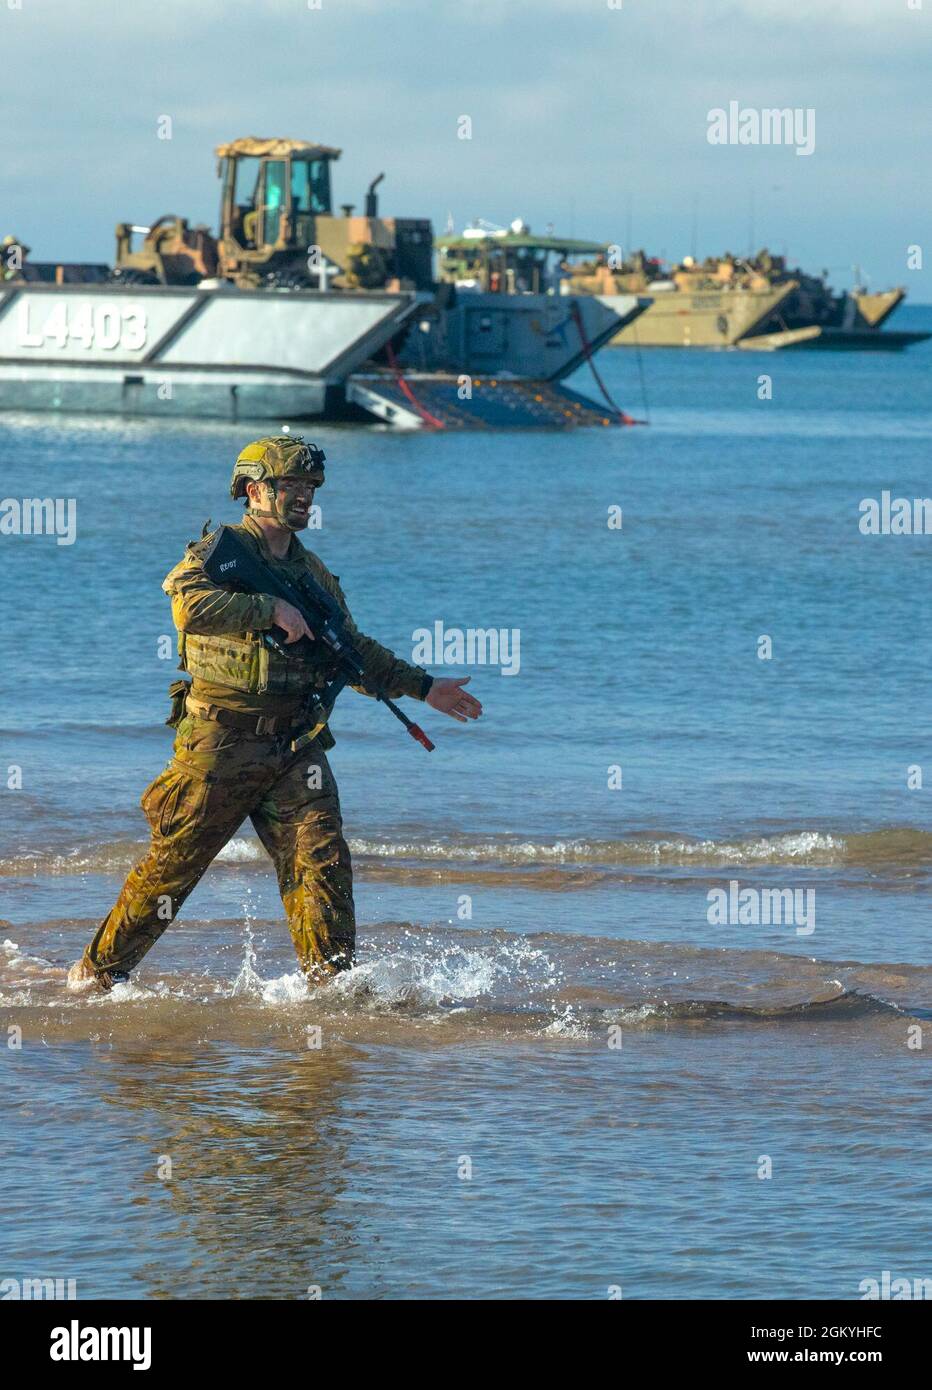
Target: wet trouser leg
152 895
299 822
194 807
216 779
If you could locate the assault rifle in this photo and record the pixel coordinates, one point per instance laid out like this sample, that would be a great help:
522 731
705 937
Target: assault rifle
228 561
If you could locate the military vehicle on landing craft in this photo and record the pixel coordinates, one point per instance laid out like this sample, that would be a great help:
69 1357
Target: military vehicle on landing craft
275 205
290 311
510 260
755 303
725 301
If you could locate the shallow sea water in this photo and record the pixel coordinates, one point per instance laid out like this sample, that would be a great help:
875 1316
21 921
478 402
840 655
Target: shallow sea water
576 1086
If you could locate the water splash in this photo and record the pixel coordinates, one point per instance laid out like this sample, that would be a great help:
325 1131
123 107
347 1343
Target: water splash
285 989
248 981
239 850
567 1024
422 972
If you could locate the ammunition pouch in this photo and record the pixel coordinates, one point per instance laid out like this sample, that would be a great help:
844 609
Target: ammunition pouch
177 694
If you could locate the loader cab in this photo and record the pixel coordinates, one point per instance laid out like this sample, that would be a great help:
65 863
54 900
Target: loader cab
276 198
278 228
272 192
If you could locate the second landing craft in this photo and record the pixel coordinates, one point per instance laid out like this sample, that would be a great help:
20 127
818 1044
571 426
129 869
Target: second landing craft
725 301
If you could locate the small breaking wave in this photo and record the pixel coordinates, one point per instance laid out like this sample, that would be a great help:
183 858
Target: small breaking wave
848 1004
588 860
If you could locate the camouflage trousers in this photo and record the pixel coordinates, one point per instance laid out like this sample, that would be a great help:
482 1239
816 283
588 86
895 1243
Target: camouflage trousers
217 777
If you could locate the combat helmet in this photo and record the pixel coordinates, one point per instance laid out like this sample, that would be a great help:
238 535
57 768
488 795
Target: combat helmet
277 456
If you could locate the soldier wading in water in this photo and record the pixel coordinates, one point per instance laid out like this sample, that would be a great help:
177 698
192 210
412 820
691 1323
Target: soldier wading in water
236 723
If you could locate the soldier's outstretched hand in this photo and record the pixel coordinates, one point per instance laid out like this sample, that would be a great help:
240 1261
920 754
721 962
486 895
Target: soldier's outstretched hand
447 695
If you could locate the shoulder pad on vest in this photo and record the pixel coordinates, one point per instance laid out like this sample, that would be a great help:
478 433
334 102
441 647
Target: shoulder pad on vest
168 583
198 548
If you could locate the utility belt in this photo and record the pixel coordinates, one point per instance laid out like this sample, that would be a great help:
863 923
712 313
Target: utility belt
183 702
235 719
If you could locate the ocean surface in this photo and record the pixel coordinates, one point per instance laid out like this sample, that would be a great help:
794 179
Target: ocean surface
565 1064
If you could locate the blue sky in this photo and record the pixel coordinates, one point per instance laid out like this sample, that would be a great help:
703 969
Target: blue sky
585 116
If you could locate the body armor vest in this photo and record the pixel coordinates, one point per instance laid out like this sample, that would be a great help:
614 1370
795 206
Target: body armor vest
244 662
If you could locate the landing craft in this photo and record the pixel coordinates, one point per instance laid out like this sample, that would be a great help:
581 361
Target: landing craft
516 262
725 301
291 312
757 303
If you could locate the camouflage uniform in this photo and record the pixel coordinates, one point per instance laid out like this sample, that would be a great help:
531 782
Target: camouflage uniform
223 771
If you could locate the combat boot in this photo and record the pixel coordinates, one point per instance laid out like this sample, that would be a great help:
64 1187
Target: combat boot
82 978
